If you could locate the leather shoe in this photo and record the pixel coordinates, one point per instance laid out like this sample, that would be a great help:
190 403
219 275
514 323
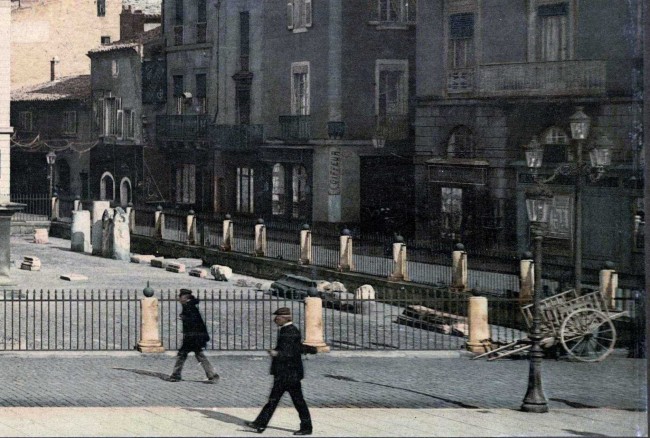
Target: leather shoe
255 427
303 432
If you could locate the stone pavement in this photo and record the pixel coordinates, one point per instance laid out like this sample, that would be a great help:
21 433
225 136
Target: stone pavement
389 393
350 394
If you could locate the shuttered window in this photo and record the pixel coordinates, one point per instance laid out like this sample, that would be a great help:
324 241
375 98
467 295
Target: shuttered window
299 14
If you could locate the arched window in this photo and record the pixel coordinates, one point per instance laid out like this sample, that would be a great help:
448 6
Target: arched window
461 143
278 192
107 187
300 190
125 192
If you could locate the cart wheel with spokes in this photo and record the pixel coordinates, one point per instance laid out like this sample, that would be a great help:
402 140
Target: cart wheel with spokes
588 335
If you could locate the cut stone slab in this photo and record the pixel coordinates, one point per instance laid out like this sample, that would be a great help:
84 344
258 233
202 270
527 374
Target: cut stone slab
29 267
175 267
140 258
221 273
158 262
190 262
31 263
41 235
198 272
73 277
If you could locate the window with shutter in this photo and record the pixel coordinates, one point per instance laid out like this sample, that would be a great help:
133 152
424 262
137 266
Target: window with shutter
393 11
290 15
300 88
461 40
299 15
552 32
119 124
70 122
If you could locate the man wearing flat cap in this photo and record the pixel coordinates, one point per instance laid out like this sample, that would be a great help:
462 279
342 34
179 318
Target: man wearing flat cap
287 371
195 336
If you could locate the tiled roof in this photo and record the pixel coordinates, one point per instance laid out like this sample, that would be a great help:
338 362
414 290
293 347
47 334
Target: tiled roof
133 43
65 88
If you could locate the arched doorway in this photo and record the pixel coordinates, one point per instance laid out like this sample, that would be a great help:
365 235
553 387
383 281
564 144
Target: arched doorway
125 192
107 187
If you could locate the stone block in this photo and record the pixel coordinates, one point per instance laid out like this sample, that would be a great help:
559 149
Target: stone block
139 258
73 277
80 239
31 263
198 272
365 292
221 273
41 235
158 262
175 267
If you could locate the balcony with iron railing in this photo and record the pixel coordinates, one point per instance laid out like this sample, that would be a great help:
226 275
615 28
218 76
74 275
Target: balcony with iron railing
236 137
555 78
182 127
295 128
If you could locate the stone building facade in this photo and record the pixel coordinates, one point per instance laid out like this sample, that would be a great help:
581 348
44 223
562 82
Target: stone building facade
278 112
483 93
63 30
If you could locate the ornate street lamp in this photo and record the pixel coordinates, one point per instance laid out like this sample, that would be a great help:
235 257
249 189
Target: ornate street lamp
580 124
599 159
51 159
538 207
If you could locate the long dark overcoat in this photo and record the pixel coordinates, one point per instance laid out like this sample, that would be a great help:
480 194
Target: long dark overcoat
287 365
195 334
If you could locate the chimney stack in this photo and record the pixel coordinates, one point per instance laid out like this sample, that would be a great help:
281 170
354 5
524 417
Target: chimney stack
53 63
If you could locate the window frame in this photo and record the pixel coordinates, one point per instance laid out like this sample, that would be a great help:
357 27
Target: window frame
301 105
534 43
23 118
402 66
185 183
70 127
299 15
245 201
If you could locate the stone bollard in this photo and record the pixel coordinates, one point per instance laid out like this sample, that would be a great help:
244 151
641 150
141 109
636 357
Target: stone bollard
459 268
609 284
314 324
228 234
526 278
260 239
399 260
80 232
96 227
305 246
159 222
150 330
479 330
130 212
191 228
345 252
76 206
55 207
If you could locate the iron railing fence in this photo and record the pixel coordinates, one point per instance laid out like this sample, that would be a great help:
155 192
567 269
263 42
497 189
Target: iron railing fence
236 320
38 206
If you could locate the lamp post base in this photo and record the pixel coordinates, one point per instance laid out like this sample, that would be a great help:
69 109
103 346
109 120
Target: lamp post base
535 408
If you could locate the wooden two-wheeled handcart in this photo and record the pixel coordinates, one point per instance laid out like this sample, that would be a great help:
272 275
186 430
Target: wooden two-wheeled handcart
581 324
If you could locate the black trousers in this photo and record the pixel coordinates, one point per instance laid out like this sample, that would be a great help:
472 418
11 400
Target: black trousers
203 360
294 388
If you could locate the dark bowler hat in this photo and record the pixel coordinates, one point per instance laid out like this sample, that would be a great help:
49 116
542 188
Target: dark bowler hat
283 311
185 292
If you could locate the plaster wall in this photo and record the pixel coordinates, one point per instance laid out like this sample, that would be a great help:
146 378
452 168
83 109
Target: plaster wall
67 29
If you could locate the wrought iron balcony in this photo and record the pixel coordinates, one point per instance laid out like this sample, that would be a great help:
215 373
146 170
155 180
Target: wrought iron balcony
392 126
295 128
182 127
236 137
557 78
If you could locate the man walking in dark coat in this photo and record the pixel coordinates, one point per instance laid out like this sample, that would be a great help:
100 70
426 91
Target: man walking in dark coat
287 371
195 336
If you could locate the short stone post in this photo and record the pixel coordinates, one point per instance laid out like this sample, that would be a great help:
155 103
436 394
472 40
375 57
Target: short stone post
191 228
609 284
55 207
80 232
150 330
228 234
130 213
305 246
260 239
459 268
399 260
159 220
314 323
345 252
97 225
526 278
479 330
76 206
